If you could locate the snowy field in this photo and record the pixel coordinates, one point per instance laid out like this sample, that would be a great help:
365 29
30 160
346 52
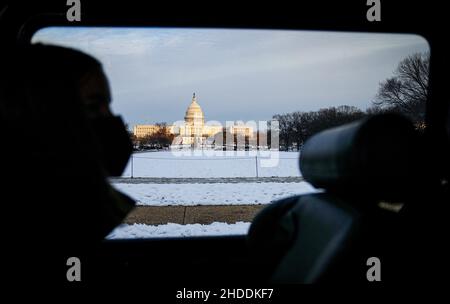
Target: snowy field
187 193
176 230
212 194
221 164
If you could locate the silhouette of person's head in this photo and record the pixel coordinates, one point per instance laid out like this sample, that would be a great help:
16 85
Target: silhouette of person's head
84 74
61 142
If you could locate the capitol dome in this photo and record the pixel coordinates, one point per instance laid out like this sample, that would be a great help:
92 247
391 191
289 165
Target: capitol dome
194 113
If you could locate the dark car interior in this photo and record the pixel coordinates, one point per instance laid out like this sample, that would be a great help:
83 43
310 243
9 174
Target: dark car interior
323 237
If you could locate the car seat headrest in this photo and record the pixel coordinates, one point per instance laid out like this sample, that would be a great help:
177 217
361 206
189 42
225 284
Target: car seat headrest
376 156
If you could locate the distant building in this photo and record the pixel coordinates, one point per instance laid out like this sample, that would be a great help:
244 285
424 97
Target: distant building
141 131
193 131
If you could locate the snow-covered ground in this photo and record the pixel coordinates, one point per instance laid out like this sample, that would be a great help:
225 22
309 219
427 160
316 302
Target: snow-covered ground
221 164
176 230
212 194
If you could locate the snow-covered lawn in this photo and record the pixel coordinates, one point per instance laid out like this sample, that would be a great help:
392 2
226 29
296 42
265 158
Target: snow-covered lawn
222 164
213 193
176 230
242 164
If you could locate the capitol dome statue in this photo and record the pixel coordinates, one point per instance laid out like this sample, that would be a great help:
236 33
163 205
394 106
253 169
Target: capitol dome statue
194 114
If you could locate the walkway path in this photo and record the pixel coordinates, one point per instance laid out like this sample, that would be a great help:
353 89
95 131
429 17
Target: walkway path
157 215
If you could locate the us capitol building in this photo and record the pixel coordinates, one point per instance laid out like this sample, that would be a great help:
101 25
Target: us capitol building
193 131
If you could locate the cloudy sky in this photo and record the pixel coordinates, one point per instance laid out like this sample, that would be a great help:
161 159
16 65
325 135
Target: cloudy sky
236 74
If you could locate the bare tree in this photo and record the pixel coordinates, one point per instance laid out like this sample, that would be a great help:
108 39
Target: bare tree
407 91
161 138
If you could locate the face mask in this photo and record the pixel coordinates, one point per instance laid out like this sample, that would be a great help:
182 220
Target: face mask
115 143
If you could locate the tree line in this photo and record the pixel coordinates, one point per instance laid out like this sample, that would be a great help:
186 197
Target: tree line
296 127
